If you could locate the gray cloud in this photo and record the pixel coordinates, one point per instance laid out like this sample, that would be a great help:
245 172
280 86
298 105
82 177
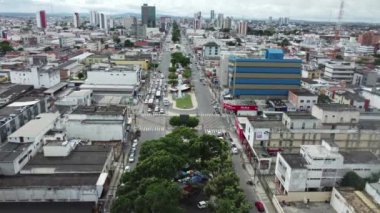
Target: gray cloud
363 10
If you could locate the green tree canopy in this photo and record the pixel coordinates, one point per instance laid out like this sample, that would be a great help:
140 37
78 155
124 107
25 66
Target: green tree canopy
352 179
128 43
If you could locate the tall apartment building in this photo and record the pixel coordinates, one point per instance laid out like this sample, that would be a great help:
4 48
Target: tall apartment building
227 24
369 38
197 23
220 20
94 18
103 21
41 19
339 71
148 15
212 15
263 78
76 20
242 28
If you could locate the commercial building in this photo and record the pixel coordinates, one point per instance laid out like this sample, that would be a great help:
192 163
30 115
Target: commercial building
365 77
369 38
365 50
302 99
38 76
265 78
211 49
212 14
352 99
120 78
339 71
227 23
321 167
20 112
74 99
148 15
41 19
76 20
24 143
97 123
220 20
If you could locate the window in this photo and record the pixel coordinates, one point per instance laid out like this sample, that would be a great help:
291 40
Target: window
314 101
308 101
303 125
301 101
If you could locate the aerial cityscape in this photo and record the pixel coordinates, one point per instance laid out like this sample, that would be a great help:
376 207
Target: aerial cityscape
189 106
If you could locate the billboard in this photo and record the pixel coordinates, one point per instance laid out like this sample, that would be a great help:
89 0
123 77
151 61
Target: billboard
262 134
239 107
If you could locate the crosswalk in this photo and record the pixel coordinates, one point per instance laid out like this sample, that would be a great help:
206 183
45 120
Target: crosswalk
166 114
210 115
151 129
152 115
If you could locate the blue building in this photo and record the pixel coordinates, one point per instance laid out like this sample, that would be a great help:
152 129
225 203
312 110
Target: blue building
269 77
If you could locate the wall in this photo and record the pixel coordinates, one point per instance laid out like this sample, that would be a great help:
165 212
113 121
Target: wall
113 77
373 192
74 193
300 196
339 203
143 64
334 117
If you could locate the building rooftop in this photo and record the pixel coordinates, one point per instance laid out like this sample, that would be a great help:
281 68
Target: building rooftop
300 115
10 151
211 44
360 157
353 96
319 151
295 161
336 107
54 180
100 110
309 81
359 201
13 92
302 92
34 127
47 207
369 124
86 158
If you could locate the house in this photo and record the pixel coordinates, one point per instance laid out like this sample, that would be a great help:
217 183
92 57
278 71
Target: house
302 99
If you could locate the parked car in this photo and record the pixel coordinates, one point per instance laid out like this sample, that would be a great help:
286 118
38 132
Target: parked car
131 159
162 111
156 109
235 150
259 206
202 204
149 110
127 169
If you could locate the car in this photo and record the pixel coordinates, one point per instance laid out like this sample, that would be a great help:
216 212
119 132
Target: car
202 204
135 141
131 159
162 111
156 109
134 145
235 150
133 150
259 206
149 110
233 145
146 101
127 169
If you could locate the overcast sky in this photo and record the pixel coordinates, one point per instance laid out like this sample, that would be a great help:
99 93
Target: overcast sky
326 10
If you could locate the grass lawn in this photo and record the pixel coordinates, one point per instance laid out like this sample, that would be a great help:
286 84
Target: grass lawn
184 102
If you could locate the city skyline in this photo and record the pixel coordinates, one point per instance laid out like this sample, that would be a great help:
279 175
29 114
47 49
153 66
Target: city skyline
323 10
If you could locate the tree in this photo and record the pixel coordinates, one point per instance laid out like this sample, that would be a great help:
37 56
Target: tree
191 122
5 46
80 75
116 39
225 30
324 99
351 179
172 69
47 49
187 73
172 75
285 42
230 43
128 43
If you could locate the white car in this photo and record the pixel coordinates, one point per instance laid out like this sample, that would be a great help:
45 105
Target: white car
235 150
127 169
162 111
149 110
156 109
202 204
131 159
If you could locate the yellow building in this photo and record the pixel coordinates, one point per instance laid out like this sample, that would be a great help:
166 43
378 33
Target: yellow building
144 64
94 59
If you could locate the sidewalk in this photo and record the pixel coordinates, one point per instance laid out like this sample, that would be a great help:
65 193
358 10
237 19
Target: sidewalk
259 190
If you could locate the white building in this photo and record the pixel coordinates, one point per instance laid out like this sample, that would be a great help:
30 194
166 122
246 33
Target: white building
336 115
94 18
366 50
302 99
320 167
36 76
299 120
339 71
211 49
103 23
76 98
97 123
121 78
24 143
